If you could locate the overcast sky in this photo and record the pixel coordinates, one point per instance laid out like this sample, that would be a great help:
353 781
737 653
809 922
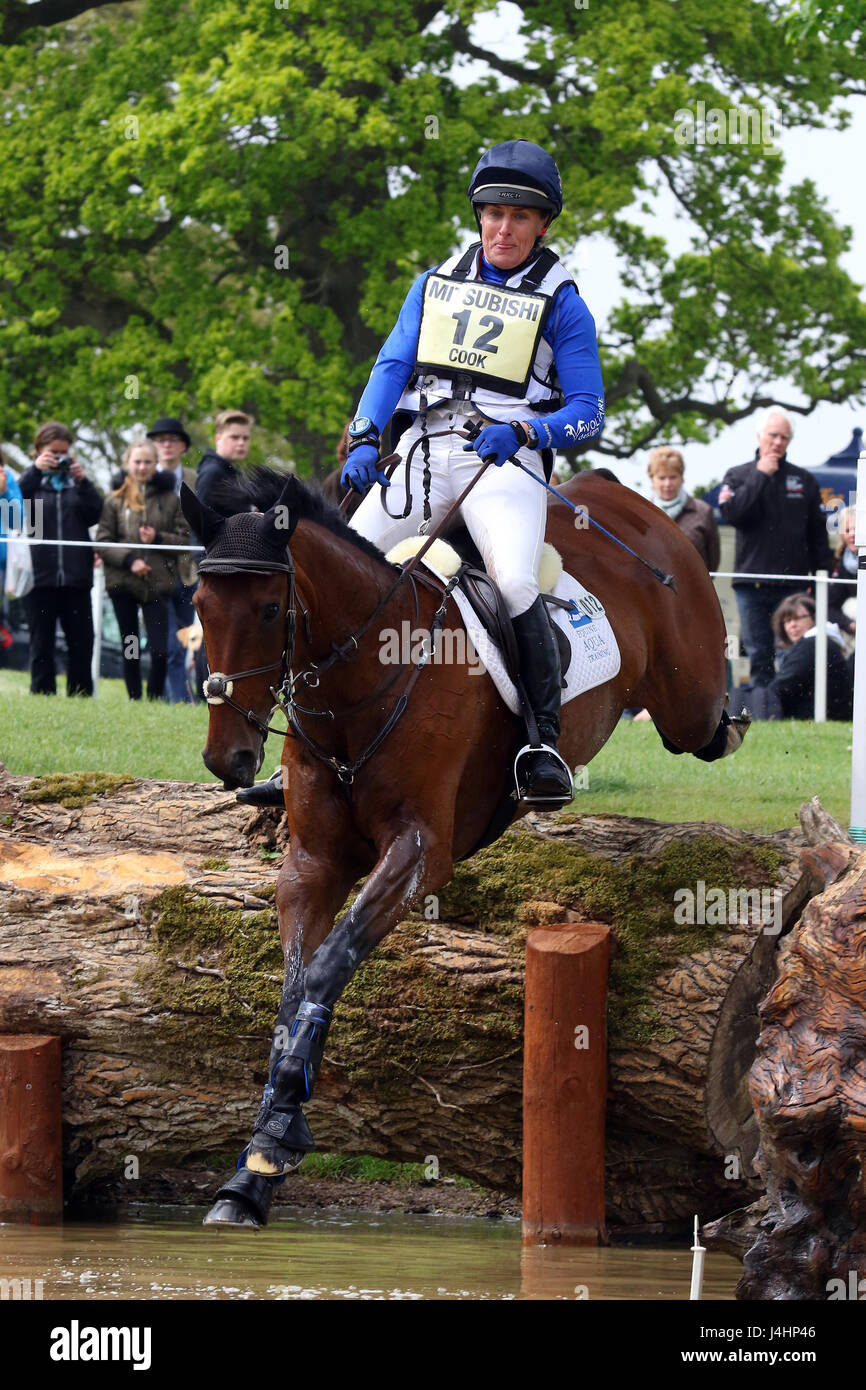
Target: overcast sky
834 161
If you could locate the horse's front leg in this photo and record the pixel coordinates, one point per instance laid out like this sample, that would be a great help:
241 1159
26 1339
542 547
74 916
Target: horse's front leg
310 890
414 863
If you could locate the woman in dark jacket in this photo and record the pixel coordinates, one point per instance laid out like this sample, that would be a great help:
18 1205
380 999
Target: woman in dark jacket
792 694
65 504
144 510
666 472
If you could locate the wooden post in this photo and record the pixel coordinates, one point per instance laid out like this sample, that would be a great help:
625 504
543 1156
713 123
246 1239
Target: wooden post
565 1084
31 1169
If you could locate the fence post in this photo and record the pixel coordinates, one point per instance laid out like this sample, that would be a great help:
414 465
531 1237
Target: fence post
821 589
565 1084
31 1152
97 595
858 744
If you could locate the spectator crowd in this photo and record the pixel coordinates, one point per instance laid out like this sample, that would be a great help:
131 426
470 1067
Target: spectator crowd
148 587
781 536
773 505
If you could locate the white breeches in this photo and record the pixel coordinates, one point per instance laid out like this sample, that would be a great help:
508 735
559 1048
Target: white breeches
505 513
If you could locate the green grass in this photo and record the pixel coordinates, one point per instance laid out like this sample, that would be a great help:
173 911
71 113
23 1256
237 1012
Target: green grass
369 1168
760 788
42 734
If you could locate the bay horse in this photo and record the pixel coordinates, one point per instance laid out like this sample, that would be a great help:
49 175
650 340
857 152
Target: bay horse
393 788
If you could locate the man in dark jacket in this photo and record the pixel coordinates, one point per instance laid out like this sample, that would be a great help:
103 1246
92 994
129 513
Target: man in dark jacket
232 438
172 442
776 510
65 504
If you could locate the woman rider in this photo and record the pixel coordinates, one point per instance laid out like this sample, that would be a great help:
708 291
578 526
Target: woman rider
520 358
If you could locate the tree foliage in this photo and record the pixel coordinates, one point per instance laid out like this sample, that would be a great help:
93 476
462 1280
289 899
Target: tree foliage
209 205
842 21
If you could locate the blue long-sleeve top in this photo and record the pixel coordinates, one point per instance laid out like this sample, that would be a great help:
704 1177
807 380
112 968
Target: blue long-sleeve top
570 332
12 514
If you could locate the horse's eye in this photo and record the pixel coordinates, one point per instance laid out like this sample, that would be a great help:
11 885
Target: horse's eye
270 611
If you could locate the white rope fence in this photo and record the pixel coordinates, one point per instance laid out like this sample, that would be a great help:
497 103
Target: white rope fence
821 580
101 545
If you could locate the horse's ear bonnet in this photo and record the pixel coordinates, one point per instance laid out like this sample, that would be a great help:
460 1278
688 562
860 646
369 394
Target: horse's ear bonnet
252 542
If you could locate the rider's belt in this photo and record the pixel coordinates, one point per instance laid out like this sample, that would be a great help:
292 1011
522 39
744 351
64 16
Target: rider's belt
486 334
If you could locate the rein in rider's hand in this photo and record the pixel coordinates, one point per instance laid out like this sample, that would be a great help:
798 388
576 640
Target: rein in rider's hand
497 443
362 469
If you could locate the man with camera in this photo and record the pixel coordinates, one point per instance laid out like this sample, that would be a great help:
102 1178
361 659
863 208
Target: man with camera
65 504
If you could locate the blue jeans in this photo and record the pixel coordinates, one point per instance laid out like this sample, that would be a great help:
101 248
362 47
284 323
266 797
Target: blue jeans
757 603
181 614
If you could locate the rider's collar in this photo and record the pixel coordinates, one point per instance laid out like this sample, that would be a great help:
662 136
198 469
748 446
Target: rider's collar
499 277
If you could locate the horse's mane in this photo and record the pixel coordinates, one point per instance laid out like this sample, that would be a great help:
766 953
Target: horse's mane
263 487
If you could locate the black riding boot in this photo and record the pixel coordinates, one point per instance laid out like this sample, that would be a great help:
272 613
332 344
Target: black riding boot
542 776
267 793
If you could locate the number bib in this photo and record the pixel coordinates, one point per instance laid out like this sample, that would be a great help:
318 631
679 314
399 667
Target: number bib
485 332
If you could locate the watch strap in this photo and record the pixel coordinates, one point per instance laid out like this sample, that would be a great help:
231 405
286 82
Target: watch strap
371 438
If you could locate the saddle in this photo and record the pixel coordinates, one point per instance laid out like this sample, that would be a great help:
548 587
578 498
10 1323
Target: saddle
488 605
489 608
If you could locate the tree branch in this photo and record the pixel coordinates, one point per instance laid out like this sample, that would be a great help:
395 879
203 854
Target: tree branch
636 377
459 35
19 17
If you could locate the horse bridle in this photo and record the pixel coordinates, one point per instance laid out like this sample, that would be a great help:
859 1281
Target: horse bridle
218 688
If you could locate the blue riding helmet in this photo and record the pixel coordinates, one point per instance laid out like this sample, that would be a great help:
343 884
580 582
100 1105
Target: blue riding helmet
517 171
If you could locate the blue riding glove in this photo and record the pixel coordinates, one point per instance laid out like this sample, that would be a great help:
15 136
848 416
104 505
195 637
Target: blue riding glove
361 469
498 442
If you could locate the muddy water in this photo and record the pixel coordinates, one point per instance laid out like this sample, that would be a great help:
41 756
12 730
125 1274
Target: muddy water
166 1254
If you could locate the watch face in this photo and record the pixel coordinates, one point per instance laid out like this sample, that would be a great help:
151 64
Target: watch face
363 425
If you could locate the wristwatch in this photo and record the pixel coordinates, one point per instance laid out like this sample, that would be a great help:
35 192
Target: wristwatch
362 431
527 434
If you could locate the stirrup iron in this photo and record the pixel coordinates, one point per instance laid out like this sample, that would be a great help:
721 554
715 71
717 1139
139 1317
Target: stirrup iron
562 800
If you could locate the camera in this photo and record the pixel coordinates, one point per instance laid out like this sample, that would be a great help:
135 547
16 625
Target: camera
64 463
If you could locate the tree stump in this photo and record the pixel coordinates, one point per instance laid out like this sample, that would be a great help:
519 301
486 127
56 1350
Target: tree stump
808 1085
139 926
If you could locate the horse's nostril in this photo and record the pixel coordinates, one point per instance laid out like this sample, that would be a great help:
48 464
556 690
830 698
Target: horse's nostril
237 769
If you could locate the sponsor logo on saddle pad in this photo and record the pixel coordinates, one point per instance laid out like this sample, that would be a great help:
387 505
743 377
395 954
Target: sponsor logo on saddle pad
583 610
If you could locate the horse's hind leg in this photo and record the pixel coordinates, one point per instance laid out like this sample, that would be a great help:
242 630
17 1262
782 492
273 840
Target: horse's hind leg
410 867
